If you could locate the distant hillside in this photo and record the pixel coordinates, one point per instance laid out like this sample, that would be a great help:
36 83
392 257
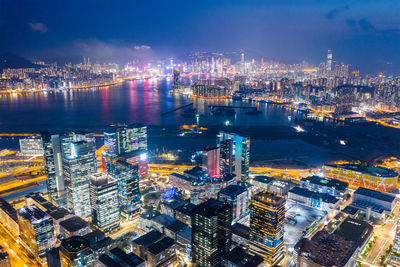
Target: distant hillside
8 60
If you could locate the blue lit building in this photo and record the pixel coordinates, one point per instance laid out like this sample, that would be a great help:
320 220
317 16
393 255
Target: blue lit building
127 175
235 154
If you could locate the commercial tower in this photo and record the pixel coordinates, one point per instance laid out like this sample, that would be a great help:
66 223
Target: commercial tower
267 216
104 201
329 61
129 142
211 233
177 80
53 167
79 162
124 139
127 175
234 154
125 159
211 161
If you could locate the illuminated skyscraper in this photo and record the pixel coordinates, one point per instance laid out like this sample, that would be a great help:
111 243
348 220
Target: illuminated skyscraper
211 234
329 61
53 168
79 162
127 175
211 161
177 80
267 216
121 140
235 154
104 201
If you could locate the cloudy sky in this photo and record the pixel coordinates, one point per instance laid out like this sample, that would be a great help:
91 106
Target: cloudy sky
364 33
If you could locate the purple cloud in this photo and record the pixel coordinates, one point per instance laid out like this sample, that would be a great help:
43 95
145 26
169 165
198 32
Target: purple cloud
38 27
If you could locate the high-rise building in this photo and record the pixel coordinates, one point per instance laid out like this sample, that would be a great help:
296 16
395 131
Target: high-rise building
79 162
267 216
31 146
123 139
211 161
104 201
211 233
234 154
329 61
36 229
53 168
238 197
177 80
127 141
127 175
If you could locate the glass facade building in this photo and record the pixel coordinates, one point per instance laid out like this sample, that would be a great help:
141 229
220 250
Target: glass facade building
235 154
79 162
53 168
211 233
127 176
104 201
267 216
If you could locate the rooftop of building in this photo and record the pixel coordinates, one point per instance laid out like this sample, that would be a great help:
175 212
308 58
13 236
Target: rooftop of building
107 261
326 249
174 203
112 127
316 195
186 209
98 240
233 190
101 179
322 181
350 210
241 230
74 244
185 233
375 194
196 172
176 226
33 214
263 179
164 219
239 257
148 238
161 245
210 208
149 214
354 230
371 170
269 198
74 224
209 148
125 259
7 208
58 213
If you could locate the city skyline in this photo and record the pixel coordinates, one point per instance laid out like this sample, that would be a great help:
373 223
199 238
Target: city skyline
356 32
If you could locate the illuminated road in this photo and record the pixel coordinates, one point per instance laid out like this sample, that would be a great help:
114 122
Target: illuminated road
385 236
18 255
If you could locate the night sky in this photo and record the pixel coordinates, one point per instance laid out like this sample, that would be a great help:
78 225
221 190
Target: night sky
363 33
